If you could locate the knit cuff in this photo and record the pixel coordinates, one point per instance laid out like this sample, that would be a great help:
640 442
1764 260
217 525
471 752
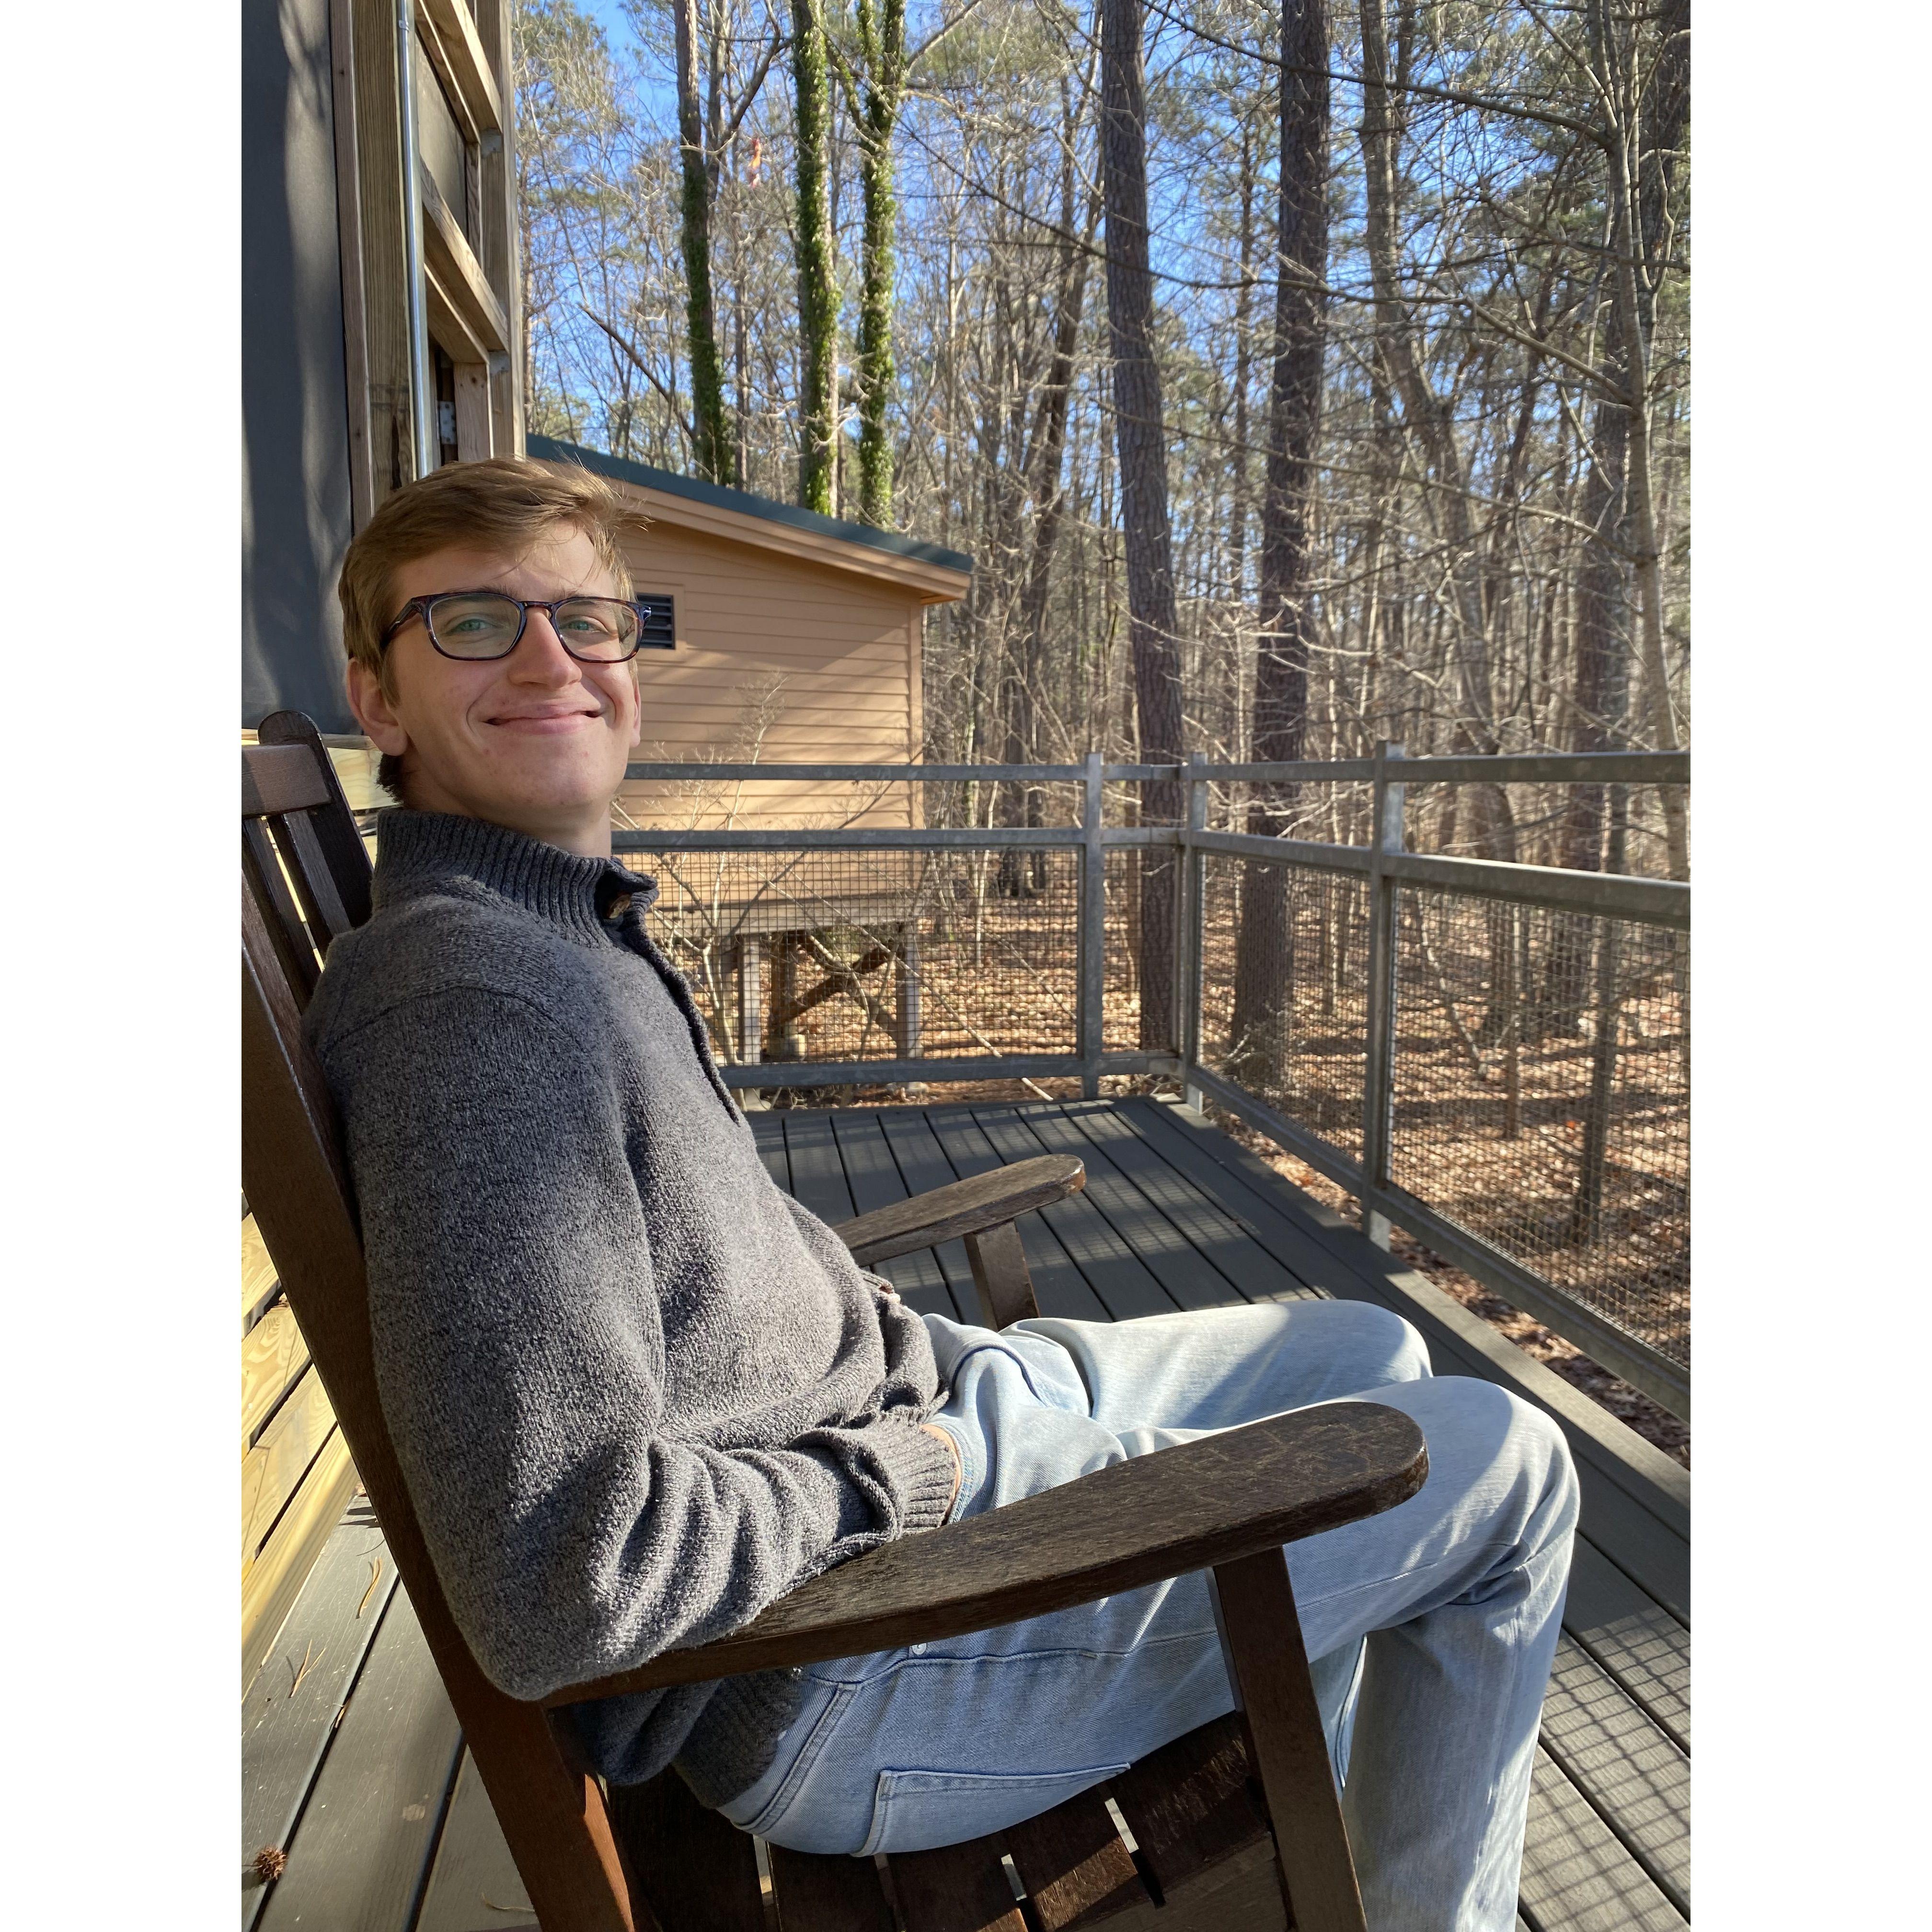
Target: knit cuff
923 1467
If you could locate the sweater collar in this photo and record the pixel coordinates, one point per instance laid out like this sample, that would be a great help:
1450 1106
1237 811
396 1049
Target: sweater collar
422 852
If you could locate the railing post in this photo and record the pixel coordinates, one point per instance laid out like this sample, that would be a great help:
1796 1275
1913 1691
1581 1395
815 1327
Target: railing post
1092 959
1385 835
1187 952
751 1013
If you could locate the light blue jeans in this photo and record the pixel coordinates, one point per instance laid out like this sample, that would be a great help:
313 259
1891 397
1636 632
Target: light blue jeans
1432 1721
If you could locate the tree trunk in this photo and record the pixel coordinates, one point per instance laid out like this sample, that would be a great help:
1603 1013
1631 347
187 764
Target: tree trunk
1601 698
817 280
1263 948
1238 465
1653 130
712 441
1043 467
882 38
1140 439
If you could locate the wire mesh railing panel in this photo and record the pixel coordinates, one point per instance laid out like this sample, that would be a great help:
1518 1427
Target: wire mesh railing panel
1580 828
1541 1097
1142 914
835 956
1329 812
1284 986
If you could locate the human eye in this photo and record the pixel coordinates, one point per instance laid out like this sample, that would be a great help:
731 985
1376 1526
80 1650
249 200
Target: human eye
480 625
587 620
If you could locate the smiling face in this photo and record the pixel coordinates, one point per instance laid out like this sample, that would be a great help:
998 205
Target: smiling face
536 741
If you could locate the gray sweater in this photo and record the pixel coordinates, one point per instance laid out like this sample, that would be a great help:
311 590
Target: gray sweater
638 1392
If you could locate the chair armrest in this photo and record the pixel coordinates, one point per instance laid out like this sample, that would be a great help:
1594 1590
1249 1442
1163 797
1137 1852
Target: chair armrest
1135 1522
963 1207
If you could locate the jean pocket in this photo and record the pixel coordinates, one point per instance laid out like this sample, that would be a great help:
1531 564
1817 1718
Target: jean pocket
913 1810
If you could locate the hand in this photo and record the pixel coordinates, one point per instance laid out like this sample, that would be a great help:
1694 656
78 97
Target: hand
958 1472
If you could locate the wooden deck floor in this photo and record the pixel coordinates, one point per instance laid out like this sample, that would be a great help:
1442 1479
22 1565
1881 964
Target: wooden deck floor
352 1759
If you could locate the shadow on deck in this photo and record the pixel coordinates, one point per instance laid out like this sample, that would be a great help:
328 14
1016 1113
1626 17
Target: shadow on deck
352 1760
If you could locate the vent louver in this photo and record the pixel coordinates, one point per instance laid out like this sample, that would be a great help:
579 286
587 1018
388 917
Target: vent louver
658 624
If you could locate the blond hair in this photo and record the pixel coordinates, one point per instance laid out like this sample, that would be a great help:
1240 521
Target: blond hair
505 503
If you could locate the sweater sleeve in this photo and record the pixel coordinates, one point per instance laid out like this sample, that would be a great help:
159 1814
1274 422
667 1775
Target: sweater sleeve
519 1357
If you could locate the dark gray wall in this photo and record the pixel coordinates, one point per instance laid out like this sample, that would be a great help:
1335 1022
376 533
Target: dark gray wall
295 416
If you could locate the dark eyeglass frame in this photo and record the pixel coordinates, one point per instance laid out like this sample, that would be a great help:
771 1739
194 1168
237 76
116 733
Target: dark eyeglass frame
422 607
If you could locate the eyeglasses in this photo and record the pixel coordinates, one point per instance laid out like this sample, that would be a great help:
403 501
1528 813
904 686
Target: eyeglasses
474 626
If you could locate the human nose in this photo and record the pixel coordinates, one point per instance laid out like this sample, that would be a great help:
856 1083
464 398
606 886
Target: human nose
540 657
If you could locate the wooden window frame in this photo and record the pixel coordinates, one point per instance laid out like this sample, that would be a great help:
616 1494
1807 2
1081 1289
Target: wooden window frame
470 273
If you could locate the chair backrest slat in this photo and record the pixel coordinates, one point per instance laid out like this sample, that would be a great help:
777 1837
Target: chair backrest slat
280 778
262 868
335 828
315 884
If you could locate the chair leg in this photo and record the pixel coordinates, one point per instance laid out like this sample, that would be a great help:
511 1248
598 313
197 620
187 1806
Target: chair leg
1261 1637
699 1872
551 1808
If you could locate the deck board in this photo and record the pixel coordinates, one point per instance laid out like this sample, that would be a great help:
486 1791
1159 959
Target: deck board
1187 1276
1635 1640
474 1885
768 1132
817 1173
1635 1779
289 1714
922 1166
1214 1233
1123 1284
1174 1214
873 1176
1577 1876
1059 1285
361 1849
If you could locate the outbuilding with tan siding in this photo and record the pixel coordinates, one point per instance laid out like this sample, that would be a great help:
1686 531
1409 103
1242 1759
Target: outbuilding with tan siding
797 640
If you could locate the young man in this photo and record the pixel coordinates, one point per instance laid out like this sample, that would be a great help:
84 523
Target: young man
639 1392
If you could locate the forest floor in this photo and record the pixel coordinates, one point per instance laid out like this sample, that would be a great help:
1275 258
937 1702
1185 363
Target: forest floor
1630 1405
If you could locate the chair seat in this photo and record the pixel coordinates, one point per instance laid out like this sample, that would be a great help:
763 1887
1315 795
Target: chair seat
1202 1860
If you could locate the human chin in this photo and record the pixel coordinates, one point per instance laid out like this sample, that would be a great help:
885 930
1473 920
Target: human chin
566 759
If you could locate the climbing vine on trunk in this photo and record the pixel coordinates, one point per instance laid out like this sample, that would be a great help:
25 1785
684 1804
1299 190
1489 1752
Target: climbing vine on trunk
817 270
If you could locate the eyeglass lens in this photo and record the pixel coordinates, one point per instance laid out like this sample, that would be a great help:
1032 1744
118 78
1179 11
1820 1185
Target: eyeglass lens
600 629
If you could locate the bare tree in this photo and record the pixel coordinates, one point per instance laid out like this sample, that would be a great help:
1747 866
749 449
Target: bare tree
1264 946
1140 434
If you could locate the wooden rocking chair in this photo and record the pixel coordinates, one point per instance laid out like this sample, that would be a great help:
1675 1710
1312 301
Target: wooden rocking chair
1228 1824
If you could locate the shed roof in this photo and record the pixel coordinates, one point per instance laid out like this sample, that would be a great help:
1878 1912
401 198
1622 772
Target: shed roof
940 573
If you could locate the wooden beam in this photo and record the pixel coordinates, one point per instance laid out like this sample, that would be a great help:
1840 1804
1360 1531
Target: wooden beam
272 1470
449 327
258 1273
452 41
348 247
270 1584
447 254
473 411
273 1353
496 162
384 253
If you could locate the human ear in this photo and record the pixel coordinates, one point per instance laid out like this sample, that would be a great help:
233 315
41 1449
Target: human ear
373 710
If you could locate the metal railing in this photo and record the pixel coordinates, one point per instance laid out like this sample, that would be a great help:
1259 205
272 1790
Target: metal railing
1490 1055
